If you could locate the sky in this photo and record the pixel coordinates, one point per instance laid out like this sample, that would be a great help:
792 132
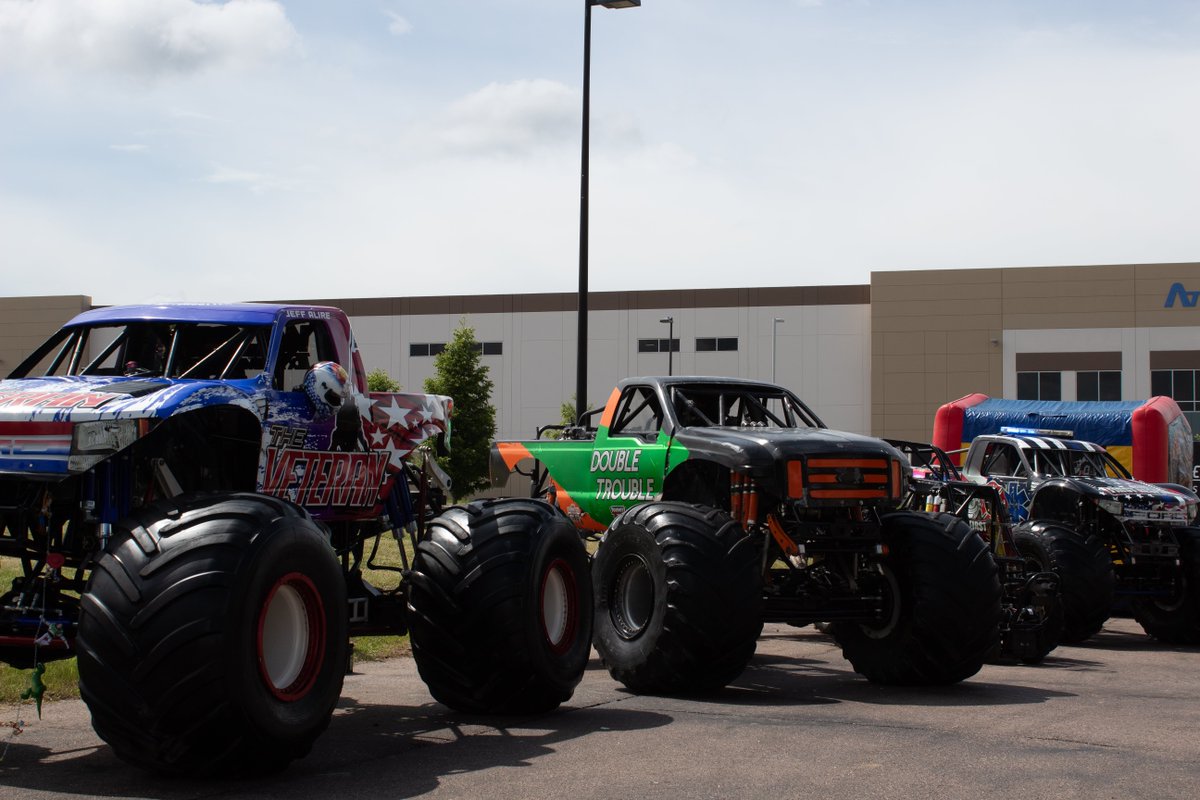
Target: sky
196 150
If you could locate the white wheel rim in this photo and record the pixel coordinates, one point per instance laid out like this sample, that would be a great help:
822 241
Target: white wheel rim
285 637
560 610
556 611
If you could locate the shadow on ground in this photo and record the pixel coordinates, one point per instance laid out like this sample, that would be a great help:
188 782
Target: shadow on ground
378 750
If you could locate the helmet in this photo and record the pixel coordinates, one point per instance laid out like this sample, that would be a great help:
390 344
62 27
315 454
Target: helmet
325 383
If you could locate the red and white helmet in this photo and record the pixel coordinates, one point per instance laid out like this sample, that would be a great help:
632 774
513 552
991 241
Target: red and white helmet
325 385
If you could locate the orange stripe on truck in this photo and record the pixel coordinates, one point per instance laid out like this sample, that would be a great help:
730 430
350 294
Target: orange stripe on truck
610 408
513 453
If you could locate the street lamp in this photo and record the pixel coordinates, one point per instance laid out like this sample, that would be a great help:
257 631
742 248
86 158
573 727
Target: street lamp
774 342
670 323
581 351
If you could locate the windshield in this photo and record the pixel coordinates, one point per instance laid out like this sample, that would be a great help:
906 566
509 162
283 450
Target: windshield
200 350
1077 463
709 406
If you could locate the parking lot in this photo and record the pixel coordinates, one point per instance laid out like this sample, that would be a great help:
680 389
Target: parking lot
1116 717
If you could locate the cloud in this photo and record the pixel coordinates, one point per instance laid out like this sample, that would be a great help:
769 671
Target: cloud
397 24
141 38
514 118
256 182
128 148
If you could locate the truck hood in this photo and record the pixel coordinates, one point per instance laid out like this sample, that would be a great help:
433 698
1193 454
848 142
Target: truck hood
37 415
1135 501
80 399
766 447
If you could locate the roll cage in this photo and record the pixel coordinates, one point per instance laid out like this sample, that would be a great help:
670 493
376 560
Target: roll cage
158 349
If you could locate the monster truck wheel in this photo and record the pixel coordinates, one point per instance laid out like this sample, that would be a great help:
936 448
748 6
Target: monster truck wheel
678 598
212 639
1176 619
941 605
501 602
1085 572
1047 609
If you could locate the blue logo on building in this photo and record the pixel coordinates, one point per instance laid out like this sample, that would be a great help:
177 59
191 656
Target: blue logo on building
1186 299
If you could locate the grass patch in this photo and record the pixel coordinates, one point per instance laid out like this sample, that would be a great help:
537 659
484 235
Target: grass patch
62 677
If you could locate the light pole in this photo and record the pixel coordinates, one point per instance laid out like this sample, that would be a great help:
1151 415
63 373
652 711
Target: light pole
670 323
581 344
774 341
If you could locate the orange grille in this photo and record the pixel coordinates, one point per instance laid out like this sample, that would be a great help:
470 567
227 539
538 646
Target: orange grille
848 478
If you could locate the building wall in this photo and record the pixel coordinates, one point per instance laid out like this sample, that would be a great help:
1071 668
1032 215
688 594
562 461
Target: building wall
938 335
26 322
822 352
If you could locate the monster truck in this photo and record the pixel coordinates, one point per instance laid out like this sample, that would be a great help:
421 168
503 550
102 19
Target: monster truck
1105 534
190 492
724 503
1031 619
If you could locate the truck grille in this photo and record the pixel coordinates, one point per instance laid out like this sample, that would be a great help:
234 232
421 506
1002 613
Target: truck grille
851 478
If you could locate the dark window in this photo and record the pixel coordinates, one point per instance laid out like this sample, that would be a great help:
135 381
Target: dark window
1098 385
426 349
493 348
1050 386
1039 386
712 344
1027 386
657 345
1181 384
1160 382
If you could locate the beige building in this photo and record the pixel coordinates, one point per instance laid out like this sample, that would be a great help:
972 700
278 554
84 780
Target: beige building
26 322
876 358
1122 332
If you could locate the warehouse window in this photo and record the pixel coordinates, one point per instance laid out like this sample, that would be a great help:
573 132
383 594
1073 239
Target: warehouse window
433 348
658 345
714 344
1039 386
1098 385
1180 384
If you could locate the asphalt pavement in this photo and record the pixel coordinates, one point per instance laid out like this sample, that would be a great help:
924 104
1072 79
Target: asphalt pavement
1117 717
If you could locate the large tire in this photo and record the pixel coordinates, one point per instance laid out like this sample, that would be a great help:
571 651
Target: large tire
1176 620
212 639
1087 583
678 598
942 593
1040 613
501 602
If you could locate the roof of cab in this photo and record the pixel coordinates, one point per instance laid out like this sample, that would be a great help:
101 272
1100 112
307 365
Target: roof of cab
227 313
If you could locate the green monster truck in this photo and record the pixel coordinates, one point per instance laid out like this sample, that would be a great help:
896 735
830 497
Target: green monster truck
724 503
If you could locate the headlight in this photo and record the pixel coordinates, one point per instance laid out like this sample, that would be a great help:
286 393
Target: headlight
1114 507
92 442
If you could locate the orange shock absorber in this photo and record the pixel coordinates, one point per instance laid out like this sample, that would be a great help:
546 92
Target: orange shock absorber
735 495
751 504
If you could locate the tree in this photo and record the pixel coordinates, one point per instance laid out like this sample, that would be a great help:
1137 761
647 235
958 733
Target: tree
459 374
379 381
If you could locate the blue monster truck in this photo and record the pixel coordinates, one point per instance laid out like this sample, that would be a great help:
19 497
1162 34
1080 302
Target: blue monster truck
1106 535
190 492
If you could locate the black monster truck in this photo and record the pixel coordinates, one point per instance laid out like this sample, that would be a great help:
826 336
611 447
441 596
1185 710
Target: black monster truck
191 492
725 503
1031 619
1105 534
